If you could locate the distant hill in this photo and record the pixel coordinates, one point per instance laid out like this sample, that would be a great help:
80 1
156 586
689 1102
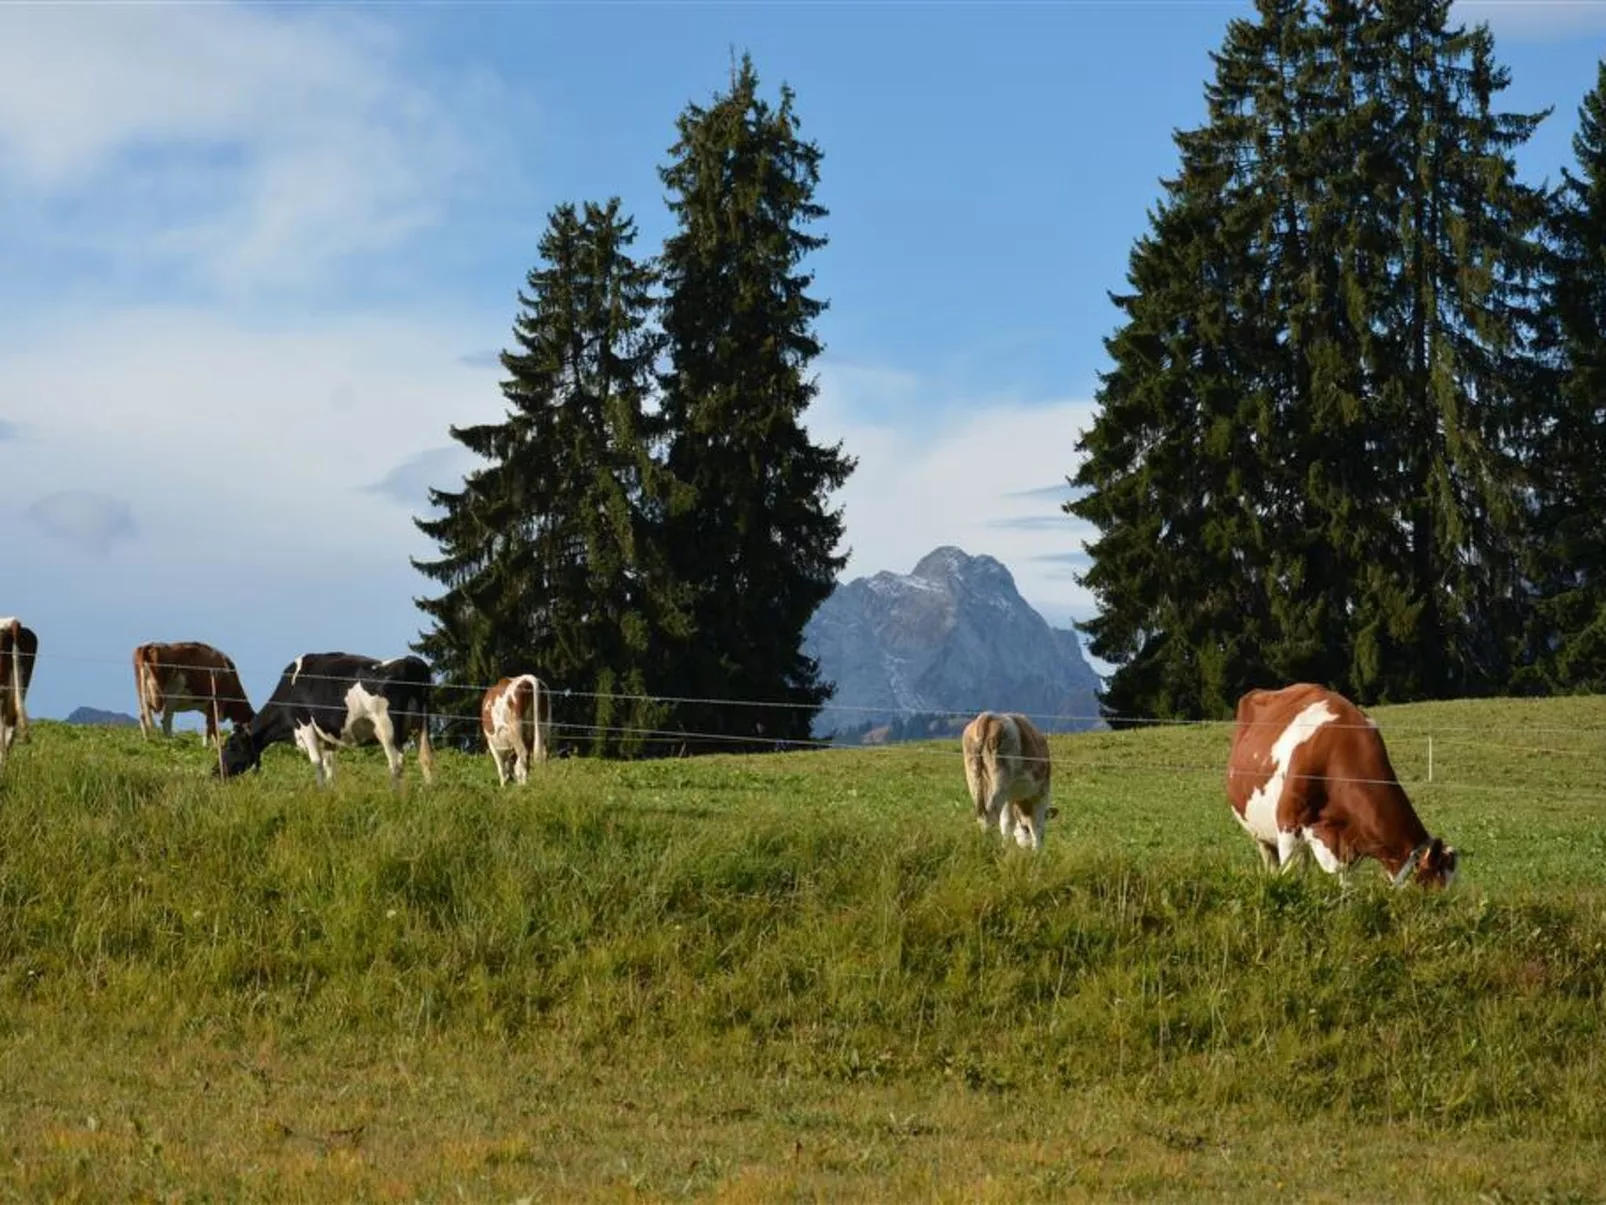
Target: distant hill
916 655
106 719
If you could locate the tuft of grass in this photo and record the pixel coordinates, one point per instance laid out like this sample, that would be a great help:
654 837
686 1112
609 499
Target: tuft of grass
804 974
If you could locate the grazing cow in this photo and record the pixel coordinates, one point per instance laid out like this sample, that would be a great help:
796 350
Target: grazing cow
169 678
1008 771
18 648
1308 769
509 718
329 701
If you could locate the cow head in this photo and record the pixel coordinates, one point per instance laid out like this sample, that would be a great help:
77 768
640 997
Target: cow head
1028 835
1432 864
239 712
240 753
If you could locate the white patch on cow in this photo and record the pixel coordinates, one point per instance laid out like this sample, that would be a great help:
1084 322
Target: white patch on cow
295 673
367 718
1325 857
364 713
1260 812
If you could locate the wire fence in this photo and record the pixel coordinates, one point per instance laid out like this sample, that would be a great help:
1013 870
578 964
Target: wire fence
1436 737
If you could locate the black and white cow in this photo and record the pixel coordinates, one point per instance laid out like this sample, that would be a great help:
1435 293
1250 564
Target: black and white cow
329 701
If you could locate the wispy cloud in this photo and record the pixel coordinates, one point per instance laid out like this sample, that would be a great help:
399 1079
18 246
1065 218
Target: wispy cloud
9 431
238 146
1061 492
1058 521
89 521
481 359
410 481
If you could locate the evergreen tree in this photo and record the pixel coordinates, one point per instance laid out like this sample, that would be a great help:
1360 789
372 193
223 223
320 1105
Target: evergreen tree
750 530
1443 267
551 553
1308 460
1200 568
1570 646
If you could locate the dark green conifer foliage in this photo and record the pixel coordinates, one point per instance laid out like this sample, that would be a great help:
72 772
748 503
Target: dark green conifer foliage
1571 569
551 552
1309 450
750 532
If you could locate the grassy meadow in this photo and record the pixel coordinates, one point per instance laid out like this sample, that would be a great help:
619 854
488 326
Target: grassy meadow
796 976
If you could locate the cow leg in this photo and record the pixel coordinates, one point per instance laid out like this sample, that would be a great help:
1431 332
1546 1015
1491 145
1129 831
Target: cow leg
1321 846
1290 849
1028 832
1268 855
307 738
521 752
501 771
1002 812
385 731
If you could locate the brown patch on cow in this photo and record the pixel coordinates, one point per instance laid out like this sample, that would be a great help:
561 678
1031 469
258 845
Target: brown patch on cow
188 676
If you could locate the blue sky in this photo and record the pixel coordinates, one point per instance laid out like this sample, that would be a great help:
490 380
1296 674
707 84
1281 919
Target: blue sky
259 257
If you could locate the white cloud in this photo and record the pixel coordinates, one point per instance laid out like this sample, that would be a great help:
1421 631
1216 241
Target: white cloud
270 437
248 146
983 479
1534 20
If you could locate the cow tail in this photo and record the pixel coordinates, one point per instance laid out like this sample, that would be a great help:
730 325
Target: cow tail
426 751
978 764
527 702
16 678
139 686
147 685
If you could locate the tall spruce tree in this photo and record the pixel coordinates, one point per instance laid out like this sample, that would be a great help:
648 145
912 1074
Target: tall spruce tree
1444 264
751 530
552 553
1570 646
1307 460
1200 567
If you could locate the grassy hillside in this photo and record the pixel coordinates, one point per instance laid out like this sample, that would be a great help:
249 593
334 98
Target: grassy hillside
795 976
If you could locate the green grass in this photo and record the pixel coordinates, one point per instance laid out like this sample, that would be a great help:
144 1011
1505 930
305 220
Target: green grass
800 976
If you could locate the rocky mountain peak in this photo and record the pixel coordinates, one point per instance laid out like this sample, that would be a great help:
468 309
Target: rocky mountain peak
922 652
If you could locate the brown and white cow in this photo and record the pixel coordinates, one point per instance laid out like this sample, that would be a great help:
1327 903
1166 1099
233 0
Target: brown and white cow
18 648
188 676
1009 773
1308 769
508 717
